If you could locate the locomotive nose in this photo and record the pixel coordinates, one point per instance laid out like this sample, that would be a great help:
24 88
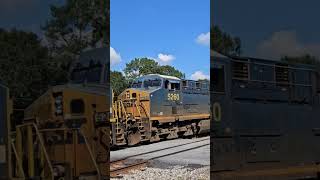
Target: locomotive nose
134 94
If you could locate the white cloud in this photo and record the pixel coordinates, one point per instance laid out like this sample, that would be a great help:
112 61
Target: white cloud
165 58
199 75
115 57
204 39
284 43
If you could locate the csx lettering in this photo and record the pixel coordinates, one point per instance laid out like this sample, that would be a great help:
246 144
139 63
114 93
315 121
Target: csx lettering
173 97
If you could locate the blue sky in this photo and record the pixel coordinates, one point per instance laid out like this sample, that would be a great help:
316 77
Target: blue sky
26 14
271 28
172 32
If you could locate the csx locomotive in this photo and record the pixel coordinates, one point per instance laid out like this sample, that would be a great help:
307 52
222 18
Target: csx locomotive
65 132
160 107
265 118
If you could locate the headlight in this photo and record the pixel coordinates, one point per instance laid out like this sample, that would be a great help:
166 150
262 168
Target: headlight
127 95
58 102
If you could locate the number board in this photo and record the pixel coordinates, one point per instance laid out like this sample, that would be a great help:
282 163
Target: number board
173 97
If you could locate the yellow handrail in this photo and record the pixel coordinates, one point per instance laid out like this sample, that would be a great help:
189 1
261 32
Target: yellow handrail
19 160
145 110
138 109
91 154
41 144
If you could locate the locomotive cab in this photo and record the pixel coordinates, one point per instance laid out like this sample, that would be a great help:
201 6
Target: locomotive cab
221 129
165 94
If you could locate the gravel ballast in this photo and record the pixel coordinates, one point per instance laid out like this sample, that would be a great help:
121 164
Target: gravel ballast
171 173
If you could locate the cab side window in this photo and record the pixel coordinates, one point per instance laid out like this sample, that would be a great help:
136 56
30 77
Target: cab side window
184 84
218 78
175 86
77 106
198 85
172 85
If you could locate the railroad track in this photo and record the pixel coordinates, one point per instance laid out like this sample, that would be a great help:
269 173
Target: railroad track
122 166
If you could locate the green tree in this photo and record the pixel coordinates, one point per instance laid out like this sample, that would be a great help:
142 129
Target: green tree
140 66
77 25
224 43
118 82
171 71
143 66
25 66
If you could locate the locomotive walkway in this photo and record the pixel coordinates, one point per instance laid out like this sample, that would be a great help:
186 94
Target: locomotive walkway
186 152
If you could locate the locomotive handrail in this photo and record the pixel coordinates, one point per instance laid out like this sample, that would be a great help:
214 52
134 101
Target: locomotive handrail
114 109
91 154
137 108
114 113
18 159
144 108
274 82
274 65
41 143
123 109
54 129
217 92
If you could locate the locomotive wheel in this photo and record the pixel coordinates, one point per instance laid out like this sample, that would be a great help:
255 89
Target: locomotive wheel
133 138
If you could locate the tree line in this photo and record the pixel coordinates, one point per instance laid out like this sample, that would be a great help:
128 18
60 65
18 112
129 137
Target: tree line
29 64
226 44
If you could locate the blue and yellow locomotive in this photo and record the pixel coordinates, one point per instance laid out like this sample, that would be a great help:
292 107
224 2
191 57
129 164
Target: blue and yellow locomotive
160 107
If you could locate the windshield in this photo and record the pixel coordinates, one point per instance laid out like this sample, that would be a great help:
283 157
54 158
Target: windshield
136 84
78 75
152 83
94 75
91 74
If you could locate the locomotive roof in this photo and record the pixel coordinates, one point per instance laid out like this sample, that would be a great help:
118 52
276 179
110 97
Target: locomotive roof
162 76
260 60
272 61
169 77
245 58
216 54
98 55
